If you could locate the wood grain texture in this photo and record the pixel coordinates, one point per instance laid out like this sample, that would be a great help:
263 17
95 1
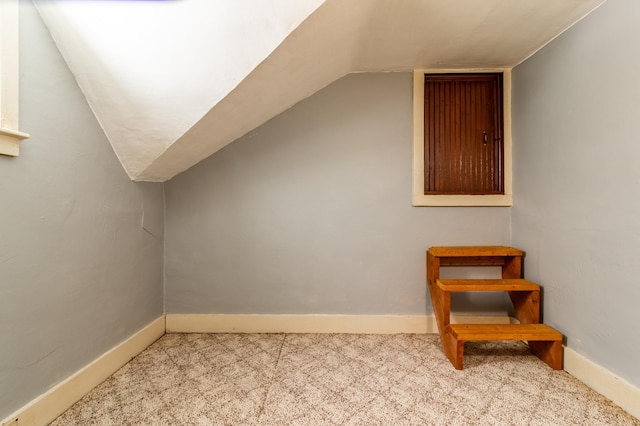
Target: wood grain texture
474 251
544 341
532 332
463 134
487 285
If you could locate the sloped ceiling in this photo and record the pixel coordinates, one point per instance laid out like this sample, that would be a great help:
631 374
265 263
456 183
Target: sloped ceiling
171 82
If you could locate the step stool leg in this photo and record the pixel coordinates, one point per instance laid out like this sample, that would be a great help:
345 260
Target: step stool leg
526 306
512 267
550 352
454 349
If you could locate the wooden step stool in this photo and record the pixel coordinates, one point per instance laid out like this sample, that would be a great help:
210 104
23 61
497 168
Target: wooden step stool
544 341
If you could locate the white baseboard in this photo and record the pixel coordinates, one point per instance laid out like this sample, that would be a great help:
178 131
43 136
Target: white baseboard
55 401
365 324
603 381
596 377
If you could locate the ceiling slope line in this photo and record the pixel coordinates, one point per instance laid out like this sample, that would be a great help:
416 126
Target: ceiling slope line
311 44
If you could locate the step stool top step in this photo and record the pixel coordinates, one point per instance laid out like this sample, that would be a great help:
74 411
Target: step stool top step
474 251
534 332
488 285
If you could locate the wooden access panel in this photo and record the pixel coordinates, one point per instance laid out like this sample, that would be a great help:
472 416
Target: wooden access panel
463 134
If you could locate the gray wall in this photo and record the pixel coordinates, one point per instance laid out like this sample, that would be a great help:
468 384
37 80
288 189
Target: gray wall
577 183
78 273
311 213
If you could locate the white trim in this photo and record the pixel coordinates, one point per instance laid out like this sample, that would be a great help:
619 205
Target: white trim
13 133
10 137
419 198
10 142
596 377
55 401
603 381
365 324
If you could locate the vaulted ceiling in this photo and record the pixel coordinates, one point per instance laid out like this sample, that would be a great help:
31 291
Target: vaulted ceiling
171 82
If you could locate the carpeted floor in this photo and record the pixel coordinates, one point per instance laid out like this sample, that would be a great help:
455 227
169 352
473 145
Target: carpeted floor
337 379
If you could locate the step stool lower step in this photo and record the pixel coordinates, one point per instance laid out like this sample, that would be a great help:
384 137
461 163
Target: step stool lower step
544 341
536 332
487 285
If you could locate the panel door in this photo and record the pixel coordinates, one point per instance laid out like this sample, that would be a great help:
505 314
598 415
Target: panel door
463 135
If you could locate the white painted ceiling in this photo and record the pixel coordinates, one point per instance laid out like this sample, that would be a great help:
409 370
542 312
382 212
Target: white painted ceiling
171 82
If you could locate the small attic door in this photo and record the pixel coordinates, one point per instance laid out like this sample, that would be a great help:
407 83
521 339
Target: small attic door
463 134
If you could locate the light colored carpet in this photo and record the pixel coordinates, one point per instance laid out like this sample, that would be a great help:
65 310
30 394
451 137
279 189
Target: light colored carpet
337 379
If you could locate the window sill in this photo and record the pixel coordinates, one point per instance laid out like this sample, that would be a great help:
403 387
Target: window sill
10 141
505 200
419 199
